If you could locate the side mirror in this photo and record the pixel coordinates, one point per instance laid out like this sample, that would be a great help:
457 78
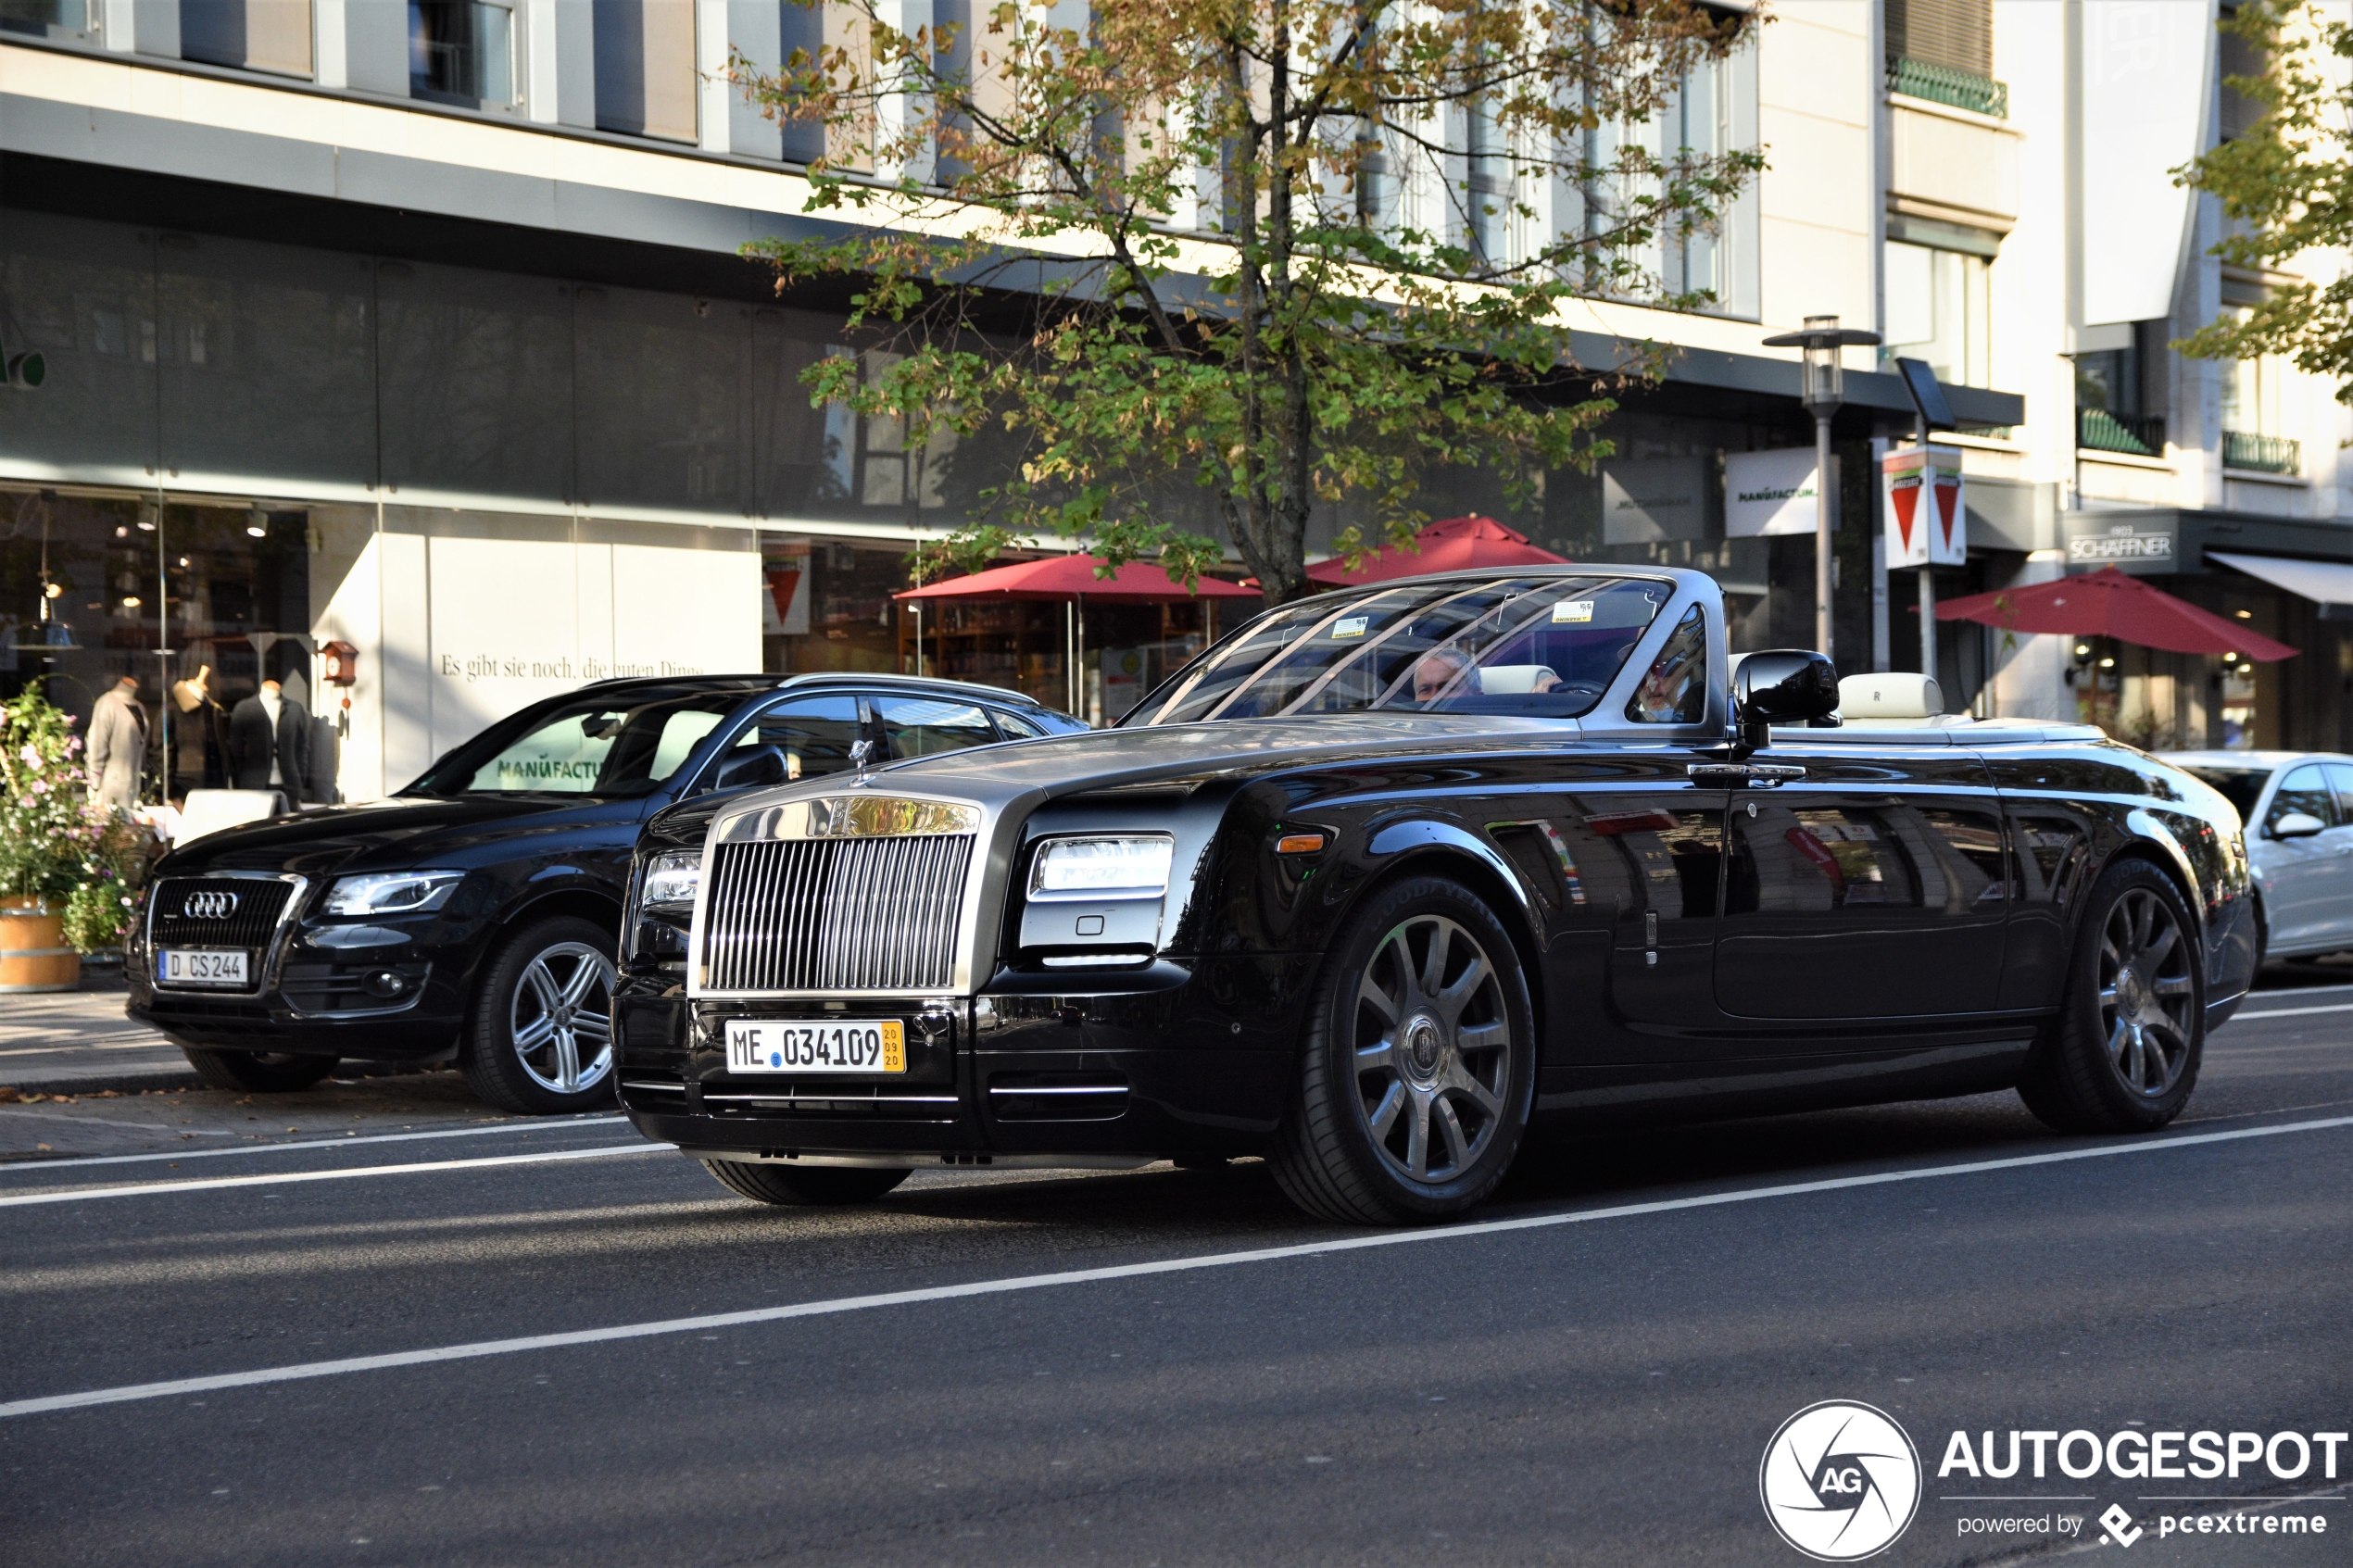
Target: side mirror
2298 824
749 768
1783 686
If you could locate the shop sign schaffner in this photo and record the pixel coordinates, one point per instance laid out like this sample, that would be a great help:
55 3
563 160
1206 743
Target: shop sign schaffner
2144 541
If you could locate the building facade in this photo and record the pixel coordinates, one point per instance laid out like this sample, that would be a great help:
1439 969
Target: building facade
417 331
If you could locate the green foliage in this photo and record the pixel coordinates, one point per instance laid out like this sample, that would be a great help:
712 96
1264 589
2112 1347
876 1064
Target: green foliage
1236 244
2287 183
98 913
55 844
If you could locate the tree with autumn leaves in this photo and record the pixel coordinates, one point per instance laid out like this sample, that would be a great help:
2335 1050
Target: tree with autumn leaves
2286 184
1283 254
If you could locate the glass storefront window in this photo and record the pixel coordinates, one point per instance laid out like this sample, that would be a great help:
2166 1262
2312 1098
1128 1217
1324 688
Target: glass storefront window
233 581
240 589
828 604
78 592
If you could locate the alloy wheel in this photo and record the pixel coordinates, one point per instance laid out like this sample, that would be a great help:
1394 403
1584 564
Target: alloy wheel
2146 991
562 1023
1433 1049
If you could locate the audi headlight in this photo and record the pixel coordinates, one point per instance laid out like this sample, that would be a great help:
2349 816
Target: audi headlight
670 881
1120 866
392 893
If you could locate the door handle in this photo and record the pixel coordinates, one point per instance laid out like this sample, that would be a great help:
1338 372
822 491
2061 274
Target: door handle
1745 775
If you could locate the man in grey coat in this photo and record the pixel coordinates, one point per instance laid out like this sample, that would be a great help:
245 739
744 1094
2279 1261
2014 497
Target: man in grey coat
119 745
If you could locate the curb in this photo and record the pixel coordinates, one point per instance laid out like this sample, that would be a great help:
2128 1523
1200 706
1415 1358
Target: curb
176 1078
97 1082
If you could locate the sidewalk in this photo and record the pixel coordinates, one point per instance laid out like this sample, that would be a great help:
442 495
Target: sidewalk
79 1042
78 1079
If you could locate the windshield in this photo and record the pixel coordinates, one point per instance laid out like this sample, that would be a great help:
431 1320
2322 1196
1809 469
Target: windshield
585 746
2239 785
1541 647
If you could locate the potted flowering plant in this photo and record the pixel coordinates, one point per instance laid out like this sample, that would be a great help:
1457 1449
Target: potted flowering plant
67 864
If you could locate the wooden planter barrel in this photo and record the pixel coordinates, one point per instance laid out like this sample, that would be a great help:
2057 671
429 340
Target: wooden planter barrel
33 955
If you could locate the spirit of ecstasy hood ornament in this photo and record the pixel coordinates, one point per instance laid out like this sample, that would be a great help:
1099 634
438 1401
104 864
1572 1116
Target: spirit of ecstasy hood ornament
872 744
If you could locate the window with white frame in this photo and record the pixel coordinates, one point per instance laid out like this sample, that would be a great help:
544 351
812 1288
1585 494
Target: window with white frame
2251 391
464 52
1939 304
1714 113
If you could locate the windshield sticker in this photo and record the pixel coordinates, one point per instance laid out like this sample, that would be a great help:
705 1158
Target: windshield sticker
1352 627
1573 609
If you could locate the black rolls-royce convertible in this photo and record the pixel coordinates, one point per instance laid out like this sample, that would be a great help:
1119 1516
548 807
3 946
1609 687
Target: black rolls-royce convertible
1385 874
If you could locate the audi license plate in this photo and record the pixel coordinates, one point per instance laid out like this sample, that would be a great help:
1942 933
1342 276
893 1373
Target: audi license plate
807 1049
200 966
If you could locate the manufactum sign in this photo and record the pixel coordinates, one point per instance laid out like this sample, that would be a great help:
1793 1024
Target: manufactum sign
1772 492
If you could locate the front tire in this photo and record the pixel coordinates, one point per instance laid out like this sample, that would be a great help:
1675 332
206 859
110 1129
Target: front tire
258 1073
805 1187
540 1040
1419 1063
2123 1054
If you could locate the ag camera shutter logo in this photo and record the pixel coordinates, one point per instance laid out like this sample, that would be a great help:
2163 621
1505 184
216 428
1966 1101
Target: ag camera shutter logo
1841 1481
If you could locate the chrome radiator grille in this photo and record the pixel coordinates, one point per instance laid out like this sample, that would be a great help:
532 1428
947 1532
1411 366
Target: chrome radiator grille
835 914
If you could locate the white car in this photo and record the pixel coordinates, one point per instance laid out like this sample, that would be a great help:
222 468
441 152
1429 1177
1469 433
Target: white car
2298 810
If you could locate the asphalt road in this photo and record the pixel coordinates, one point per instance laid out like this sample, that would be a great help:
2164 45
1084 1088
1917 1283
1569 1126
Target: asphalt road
1593 1385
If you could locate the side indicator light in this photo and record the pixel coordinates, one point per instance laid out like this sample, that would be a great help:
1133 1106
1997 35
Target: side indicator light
1299 844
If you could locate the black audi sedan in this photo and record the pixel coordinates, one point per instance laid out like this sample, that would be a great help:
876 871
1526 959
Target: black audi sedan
474 912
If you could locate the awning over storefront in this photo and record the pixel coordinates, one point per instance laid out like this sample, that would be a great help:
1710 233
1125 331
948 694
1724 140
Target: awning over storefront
2322 582
1449 545
1071 577
2107 603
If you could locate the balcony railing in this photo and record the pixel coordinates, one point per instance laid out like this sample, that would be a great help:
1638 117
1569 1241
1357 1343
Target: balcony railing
2264 454
1943 84
2096 430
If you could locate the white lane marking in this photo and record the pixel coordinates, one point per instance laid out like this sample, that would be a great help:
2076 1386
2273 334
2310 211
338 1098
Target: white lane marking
2292 1012
17 1199
1089 1277
546 1126
17 1113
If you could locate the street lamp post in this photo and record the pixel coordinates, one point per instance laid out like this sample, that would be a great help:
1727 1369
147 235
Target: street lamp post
1824 388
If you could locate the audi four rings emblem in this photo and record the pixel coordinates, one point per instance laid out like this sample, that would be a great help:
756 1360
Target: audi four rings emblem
209 905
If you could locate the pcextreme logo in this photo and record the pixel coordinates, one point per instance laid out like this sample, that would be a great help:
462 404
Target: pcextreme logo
1841 1481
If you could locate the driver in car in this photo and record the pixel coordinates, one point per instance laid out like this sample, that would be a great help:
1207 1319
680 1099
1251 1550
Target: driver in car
1448 671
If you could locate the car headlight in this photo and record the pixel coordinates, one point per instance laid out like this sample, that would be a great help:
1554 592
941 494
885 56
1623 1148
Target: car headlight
392 893
670 881
1120 866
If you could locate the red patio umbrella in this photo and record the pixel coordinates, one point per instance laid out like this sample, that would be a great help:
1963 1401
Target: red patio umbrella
1070 577
2108 603
1444 546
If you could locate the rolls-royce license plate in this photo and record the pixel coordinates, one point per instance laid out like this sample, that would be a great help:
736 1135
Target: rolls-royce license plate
807 1047
201 966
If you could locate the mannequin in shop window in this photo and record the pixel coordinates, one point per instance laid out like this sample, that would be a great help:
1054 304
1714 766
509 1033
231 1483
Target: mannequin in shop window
270 743
198 760
119 745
